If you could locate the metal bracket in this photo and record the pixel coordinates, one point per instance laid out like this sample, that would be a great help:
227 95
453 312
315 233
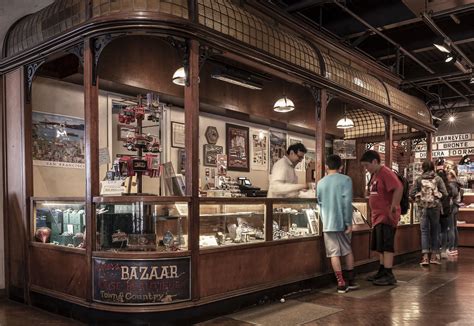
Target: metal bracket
98 45
183 51
205 52
30 72
78 51
316 93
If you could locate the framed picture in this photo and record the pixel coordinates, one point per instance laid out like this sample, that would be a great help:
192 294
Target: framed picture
177 134
291 141
124 130
259 150
277 146
346 149
210 152
237 148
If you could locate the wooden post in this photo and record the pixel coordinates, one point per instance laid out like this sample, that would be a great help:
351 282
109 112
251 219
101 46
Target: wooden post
388 141
320 134
429 146
91 139
191 120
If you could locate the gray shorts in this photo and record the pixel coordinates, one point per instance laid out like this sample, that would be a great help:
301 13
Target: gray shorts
338 244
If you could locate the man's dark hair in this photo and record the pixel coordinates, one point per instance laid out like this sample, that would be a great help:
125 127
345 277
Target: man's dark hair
427 166
298 147
334 162
369 156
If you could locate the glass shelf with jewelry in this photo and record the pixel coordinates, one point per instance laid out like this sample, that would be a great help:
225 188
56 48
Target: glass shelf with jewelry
223 224
59 221
295 220
142 226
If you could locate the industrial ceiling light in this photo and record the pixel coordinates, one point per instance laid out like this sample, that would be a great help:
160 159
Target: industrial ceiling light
284 105
451 119
449 58
441 45
179 77
345 123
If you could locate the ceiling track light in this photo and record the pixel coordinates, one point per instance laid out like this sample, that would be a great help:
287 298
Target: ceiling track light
449 57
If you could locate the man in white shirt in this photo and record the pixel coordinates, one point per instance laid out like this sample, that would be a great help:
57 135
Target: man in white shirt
283 180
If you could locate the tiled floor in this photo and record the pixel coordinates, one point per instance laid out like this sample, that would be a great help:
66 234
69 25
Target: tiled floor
438 295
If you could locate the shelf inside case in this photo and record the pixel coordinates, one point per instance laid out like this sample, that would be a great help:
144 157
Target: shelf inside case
295 220
142 226
59 222
231 224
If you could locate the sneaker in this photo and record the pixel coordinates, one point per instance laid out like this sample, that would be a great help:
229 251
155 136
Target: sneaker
387 279
353 285
342 288
453 252
424 261
444 255
375 276
435 260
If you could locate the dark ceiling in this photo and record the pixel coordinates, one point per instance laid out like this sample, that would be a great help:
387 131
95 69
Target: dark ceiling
394 33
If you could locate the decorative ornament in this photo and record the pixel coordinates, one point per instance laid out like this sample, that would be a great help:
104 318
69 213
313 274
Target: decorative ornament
212 135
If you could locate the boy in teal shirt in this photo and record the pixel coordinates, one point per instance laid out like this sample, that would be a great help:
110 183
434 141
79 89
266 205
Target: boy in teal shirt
334 194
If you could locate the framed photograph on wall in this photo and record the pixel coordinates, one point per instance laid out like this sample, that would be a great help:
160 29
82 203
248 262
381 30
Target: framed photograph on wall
277 146
177 134
237 148
259 150
210 152
124 130
291 141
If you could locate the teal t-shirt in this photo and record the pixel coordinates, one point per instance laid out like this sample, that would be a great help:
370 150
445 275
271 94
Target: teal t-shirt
334 194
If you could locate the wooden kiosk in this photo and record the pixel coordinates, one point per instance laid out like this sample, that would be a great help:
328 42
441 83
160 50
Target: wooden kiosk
100 48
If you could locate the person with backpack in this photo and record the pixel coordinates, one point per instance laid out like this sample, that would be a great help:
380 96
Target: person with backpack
428 191
385 193
445 216
453 235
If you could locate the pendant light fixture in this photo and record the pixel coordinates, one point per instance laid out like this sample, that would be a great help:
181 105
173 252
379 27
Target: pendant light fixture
179 77
284 105
345 123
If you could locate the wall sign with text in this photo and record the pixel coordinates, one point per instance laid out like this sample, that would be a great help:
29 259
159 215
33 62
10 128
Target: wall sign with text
142 281
448 146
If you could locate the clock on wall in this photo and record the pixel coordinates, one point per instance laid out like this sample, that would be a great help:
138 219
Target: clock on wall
212 135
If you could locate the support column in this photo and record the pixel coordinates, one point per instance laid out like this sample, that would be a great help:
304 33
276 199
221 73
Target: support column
320 134
191 120
388 141
91 139
429 146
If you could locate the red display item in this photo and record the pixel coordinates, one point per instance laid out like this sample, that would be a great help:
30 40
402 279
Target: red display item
139 112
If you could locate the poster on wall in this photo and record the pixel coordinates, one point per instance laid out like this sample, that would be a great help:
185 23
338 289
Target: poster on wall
346 149
237 148
291 141
210 152
309 157
259 150
58 140
221 164
277 146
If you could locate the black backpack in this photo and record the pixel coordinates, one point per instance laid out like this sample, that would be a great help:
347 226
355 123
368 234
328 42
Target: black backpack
404 202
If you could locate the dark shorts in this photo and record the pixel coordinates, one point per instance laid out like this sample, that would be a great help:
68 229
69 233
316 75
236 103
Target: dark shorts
383 238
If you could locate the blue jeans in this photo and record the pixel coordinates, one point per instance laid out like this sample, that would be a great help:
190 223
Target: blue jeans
430 230
445 222
453 229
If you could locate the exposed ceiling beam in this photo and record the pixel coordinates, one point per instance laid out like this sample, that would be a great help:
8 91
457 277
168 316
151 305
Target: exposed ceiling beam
387 27
431 24
422 79
366 24
454 89
361 38
466 87
305 4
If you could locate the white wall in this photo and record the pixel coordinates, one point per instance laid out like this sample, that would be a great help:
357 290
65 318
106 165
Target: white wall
258 178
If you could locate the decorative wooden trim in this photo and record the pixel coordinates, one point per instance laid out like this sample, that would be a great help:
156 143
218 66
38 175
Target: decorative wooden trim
99 44
50 246
30 72
140 255
59 295
78 51
134 199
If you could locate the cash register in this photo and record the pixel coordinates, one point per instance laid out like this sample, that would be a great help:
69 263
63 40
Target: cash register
246 188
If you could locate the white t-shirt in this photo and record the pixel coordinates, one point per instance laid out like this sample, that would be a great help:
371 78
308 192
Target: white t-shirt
283 180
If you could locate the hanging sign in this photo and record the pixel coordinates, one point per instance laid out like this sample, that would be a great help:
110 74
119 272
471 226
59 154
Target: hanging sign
444 153
142 281
457 145
452 138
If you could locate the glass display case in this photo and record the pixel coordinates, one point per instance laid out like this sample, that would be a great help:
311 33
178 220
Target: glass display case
142 226
406 218
224 224
60 222
294 220
360 213
417 212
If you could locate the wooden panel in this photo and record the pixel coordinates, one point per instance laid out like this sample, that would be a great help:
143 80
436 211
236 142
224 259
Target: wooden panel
139 55
361 246
221 272
16 210
466 235
2 215
65 272
468 199
466 214
407 239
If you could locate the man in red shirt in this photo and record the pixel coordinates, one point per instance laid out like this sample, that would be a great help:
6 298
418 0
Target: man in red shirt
386 191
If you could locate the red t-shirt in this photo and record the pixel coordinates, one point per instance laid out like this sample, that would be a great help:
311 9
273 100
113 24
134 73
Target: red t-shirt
381 189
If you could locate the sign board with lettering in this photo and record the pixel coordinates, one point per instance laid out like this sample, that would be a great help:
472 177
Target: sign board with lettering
452 138
142 281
